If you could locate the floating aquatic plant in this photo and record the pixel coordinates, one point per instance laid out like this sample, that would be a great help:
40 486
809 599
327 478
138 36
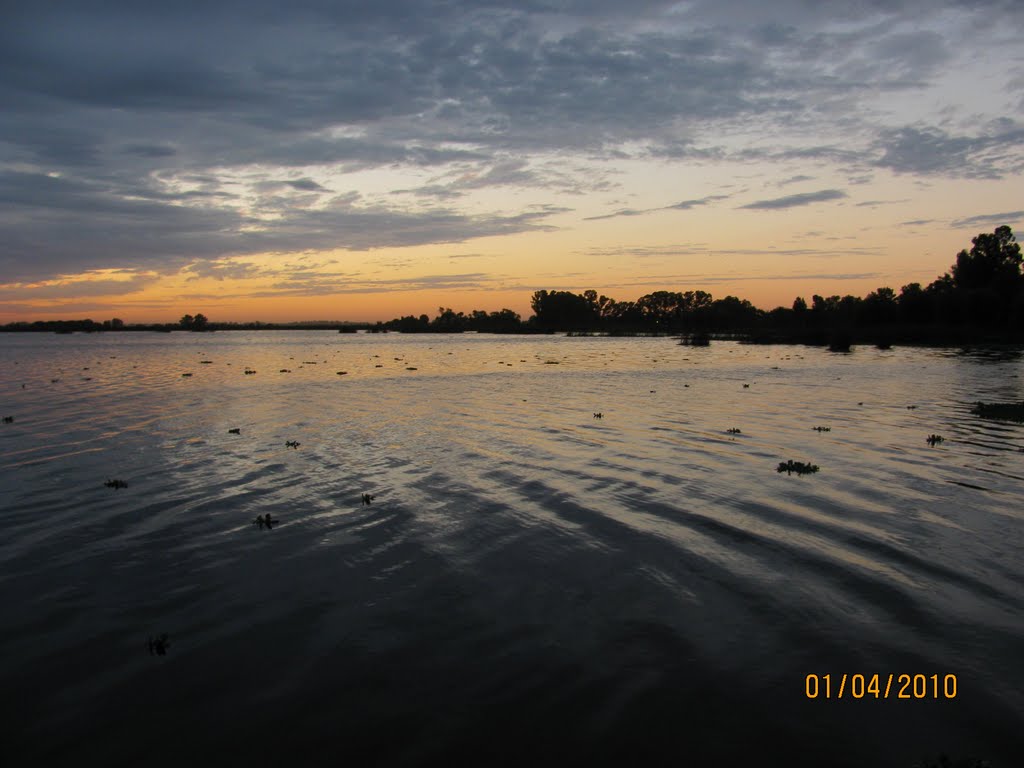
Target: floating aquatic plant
158 645
265 521
1004 411
116 484
935 439
291 443
367 498
598 415
8 419
235 431
789 467
822 429
699 339
734 431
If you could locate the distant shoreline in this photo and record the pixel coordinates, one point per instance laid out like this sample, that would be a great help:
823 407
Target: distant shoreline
838 340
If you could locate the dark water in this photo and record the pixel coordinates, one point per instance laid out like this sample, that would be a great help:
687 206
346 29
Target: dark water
531 584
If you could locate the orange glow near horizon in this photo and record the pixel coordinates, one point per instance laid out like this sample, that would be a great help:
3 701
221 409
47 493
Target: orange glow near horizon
766 257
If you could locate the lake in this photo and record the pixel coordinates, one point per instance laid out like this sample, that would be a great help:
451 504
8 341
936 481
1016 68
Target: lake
531 583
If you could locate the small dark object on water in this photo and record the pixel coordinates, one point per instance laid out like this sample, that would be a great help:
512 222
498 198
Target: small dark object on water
411 369
8 419
116 484
911 407
822 429
291 443
935 439
235 431
342 373
746 386
265 521
158 645
734 431
249 371
1005 411
652 391
367 498
789 467
598 415
185 375
206 362
285 370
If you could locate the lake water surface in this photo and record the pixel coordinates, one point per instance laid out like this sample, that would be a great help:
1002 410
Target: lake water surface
531 584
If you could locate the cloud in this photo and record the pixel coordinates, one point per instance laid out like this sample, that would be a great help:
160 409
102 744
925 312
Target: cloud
794 201
684 205
989 219
928 150
86 224
156 136
306 185
76 289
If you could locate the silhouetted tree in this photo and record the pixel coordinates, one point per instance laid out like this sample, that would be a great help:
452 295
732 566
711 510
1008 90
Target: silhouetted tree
993 262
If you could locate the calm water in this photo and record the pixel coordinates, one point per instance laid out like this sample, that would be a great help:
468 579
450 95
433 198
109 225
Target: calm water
531 584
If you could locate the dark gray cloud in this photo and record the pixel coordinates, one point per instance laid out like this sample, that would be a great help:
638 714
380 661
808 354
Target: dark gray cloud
150 136
794 201
990 219
306 185
683 205
992 154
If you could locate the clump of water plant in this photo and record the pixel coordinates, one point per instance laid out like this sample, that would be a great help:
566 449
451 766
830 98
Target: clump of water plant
158 645
935 439
734 431
265 522
8 419
291 443
822 429
840 342
116 484
789 467
699 339
1004 411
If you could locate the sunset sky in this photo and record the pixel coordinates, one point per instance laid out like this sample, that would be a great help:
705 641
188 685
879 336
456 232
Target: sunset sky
317 160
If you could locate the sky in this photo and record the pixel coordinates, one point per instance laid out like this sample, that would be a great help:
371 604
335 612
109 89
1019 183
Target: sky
348 160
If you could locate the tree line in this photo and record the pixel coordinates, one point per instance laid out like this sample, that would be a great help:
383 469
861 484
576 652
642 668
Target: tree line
981 296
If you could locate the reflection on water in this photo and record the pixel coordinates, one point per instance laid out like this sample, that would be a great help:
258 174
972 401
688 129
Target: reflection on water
529 582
